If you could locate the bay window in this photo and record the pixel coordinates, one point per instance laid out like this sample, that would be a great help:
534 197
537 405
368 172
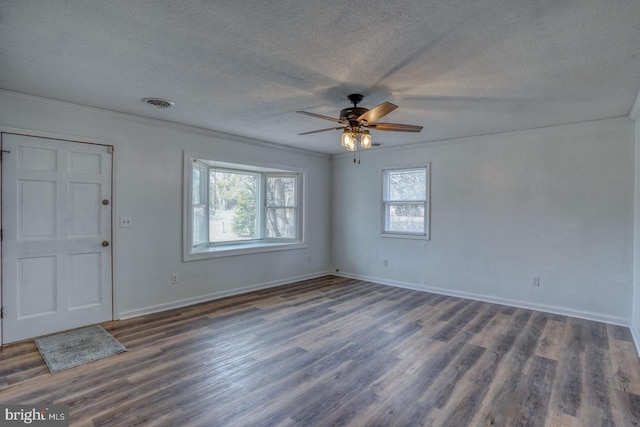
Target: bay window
236 209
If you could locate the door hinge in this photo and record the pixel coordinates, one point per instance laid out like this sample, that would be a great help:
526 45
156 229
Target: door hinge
2 313
1 234
110 150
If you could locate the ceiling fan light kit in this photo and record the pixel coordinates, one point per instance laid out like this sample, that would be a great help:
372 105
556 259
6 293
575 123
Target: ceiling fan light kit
365 139
356 122
350 139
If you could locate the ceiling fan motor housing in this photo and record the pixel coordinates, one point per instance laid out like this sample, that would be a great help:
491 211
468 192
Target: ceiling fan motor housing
352 113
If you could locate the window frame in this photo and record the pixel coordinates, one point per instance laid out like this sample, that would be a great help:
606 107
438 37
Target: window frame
208 249
386 202
203 197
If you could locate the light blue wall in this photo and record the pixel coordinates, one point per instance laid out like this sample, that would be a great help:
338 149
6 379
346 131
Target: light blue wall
557 203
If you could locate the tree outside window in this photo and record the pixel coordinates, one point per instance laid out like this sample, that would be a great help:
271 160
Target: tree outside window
281 205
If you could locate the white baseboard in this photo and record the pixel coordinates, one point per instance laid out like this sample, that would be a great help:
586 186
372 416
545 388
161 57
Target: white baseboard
564 311
215 295
598 317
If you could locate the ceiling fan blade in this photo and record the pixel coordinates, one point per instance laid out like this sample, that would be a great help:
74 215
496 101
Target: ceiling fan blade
378 112
321 130
320 116
394 127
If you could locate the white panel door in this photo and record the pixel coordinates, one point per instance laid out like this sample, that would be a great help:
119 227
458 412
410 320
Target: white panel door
56 245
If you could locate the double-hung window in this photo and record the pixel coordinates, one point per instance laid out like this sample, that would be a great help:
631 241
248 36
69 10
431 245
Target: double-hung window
236 209
281 205
405 202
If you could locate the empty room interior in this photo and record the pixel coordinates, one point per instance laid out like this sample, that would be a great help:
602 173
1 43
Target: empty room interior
322 213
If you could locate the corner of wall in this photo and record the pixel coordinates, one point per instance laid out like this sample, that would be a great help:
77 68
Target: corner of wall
635 111
635 311
635 333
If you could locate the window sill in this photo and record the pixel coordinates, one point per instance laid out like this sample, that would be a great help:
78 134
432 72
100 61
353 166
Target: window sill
405 236
240 249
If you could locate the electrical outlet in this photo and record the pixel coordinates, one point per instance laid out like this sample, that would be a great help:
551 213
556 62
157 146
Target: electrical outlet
126 221
385 263
535 281
175 279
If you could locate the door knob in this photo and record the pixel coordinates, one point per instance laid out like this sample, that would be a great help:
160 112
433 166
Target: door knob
105 243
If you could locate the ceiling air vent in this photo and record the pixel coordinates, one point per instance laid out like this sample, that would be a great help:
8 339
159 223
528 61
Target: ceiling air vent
158 102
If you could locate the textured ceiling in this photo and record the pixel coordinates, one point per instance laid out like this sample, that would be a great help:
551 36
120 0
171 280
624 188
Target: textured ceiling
456 67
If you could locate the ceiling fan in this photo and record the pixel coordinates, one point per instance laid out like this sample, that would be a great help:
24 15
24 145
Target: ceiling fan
356 122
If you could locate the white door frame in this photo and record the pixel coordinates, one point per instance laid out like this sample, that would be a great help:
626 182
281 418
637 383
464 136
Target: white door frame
82 140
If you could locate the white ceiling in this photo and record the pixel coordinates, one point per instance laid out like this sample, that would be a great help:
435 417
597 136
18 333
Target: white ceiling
457 67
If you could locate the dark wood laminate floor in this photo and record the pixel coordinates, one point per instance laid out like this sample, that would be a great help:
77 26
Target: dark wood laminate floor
333 351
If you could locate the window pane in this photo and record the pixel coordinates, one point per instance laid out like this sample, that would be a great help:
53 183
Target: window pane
405 217
196 184
199 225
281 223
281 191
199 232
410 184
233 202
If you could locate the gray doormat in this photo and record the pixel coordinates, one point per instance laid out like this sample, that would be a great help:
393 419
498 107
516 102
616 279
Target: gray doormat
71 349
